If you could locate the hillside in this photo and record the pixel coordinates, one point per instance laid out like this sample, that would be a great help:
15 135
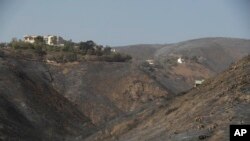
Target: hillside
215 53
105 90
129 100
202 59
68 101
204 113
31 109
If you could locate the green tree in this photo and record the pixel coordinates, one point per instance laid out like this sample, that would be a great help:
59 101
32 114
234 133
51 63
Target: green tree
90 44
98 50
83 47
69 43
107 50
14 43
69 46
39 40
87 45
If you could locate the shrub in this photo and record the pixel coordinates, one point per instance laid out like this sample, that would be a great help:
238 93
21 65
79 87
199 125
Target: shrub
71 57
85 46
107 51
116 57
40 50
21 45
68 48
98 50
64 57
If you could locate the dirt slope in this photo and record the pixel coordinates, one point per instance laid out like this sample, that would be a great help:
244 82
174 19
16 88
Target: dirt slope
105 90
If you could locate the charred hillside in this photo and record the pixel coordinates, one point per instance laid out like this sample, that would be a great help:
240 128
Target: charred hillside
89 99
68 101
103 90
31 109
204 113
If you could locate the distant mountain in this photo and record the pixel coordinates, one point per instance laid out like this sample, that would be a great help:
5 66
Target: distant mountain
202 59
141 51
217 53
234 47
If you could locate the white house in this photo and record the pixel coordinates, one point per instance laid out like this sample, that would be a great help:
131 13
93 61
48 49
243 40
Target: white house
30 38
150 61
49 39
53 40
198 82
180 60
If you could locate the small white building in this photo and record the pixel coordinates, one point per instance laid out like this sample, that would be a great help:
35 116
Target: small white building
180 60
113 50
50 61
198 82
150 61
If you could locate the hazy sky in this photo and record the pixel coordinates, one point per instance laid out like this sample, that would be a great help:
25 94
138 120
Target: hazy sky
122 22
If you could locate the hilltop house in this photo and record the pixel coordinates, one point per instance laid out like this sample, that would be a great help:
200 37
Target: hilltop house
49 39
30 38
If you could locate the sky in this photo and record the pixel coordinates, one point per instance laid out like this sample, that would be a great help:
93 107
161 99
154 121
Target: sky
125 22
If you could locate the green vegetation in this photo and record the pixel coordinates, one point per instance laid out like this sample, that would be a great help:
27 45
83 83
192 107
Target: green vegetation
39 40
63 57
20 45
116 57
82 51
2 45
